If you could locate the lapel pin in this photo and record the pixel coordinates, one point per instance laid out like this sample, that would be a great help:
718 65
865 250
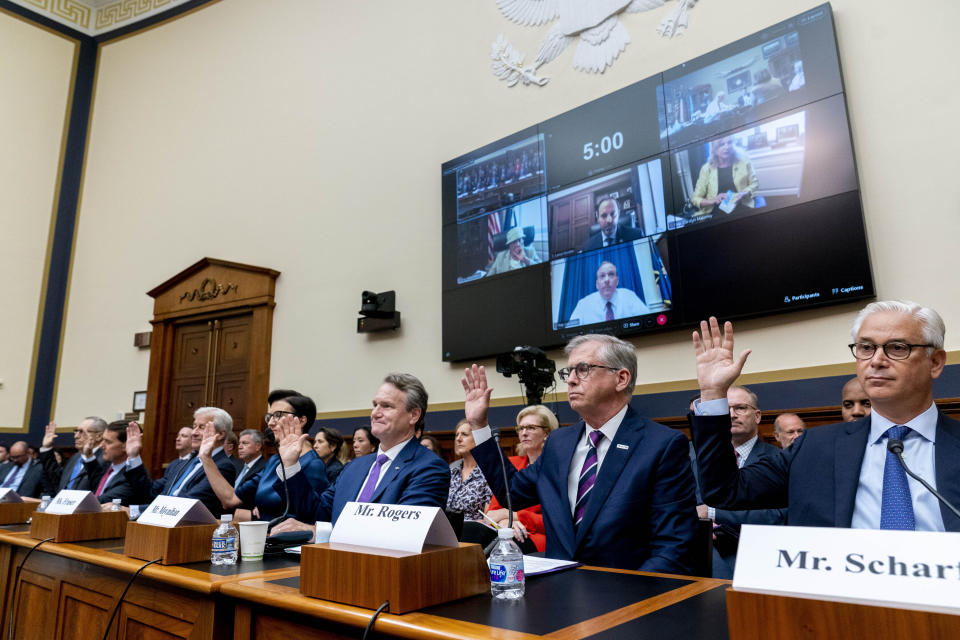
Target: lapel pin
623 446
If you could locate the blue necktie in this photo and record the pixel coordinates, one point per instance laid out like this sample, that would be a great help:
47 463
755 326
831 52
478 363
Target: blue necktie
76 472
896 507
186 472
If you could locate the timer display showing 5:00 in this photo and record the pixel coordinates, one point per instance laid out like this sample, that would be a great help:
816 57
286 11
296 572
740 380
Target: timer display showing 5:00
607 144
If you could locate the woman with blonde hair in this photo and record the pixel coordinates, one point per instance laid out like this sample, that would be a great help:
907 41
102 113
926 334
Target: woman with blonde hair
534 425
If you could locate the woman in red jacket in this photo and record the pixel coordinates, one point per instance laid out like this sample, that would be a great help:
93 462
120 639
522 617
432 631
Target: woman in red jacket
534 424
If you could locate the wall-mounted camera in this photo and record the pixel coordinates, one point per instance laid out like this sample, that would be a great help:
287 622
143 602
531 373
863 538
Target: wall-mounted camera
378 311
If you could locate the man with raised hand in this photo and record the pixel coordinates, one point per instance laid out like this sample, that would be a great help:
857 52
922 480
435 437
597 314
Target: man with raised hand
842 475
616 489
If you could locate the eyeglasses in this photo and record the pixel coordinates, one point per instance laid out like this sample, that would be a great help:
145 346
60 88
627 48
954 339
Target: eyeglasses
528 427
583 370
741 409
893 350
276 415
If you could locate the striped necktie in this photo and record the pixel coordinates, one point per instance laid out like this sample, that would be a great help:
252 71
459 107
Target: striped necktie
588 476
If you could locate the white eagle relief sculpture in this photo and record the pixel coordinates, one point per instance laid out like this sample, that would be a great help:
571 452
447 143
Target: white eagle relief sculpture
594 24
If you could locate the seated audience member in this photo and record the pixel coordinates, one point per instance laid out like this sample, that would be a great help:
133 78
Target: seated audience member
840 475
469 492
21 473
728 169
748 448
32 452
854 403
250 453
534 425
230 448
57 475
515 256
364 442
787 428
431 443
121 475
767 88
4 452
328 443
610 232
716 107
401 472
608 302
190 481
257 489
616 488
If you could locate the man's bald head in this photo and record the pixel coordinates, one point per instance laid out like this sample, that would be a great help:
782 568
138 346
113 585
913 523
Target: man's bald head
854 403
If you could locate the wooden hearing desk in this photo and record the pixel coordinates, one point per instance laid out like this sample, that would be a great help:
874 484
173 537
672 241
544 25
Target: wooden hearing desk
69 590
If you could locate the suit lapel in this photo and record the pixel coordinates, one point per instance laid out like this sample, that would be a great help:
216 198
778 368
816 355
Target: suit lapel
564 444
354 481
390 473
947 461
849 449
626 442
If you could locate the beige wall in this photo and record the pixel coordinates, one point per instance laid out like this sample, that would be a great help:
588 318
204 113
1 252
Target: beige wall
35 71
309 139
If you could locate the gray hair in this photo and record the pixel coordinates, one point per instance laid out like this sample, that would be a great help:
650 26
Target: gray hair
776 423
257 436
414 391
612 352
97 423
750 394
931 324
222 421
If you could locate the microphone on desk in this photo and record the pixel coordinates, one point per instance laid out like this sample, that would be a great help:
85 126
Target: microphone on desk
895 447
506 483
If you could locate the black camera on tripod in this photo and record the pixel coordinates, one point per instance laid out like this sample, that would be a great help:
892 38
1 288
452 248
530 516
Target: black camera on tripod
532 366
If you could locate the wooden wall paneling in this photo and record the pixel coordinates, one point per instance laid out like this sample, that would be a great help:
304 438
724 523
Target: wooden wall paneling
82 612
134 621
259 363
35 607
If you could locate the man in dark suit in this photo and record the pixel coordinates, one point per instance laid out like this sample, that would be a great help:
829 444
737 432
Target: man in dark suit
250 450
21 473
842 475
71 474
616 489
119 475
745 423
610 231
190 481
399 472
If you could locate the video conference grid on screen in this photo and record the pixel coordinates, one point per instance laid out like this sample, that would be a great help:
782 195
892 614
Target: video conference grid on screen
592 213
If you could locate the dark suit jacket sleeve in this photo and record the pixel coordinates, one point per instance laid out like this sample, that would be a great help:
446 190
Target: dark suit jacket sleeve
429 486
32 483
761 485
672 511
315 471
52 471
731 520
133 487
523 484
304 499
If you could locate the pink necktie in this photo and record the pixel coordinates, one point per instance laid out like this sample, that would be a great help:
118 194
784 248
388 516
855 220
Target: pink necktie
103 482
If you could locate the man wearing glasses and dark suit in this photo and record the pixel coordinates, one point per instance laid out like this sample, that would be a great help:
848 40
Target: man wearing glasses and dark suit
842 475
616 489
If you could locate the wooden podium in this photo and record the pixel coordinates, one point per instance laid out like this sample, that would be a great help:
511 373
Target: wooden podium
74 527
16 512
173 545
760 616
366 577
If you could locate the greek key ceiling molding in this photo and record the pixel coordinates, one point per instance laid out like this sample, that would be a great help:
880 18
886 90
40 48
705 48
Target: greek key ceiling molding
94 17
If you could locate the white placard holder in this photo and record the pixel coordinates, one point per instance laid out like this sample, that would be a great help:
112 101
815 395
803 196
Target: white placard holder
171 511
392 526
73 501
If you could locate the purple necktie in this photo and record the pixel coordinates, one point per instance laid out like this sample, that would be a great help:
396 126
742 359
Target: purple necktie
588 476
371 484
609 315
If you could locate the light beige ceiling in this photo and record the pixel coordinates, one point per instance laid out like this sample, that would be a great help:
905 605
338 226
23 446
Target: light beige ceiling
95 17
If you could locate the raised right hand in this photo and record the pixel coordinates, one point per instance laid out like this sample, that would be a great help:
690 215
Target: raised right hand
209 442
49 435
716 367
476 396
290 439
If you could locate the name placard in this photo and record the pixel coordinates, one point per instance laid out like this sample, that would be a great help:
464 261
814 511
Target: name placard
9 495
73 501
170 511
908 569
393 526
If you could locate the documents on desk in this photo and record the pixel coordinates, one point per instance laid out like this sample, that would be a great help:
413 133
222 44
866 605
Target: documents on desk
172 511
393 526
906 569
537 566
73 501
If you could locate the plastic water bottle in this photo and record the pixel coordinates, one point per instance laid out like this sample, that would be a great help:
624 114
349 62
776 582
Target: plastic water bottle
44 503
225 538
115 506
506 567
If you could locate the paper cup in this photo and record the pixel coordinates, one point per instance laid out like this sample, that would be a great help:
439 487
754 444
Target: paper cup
324 529
253 536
